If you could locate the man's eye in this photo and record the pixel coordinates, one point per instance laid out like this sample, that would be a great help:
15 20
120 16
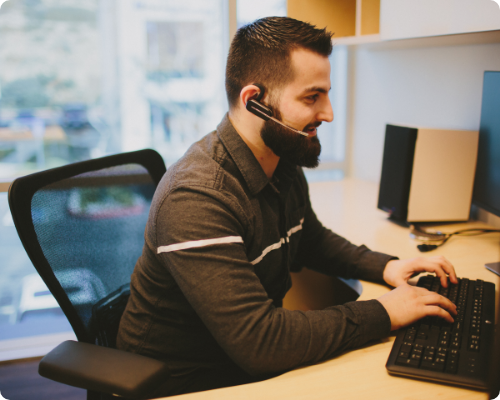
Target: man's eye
312 98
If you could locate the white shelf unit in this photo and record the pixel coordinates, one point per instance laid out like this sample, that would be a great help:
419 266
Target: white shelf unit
431 80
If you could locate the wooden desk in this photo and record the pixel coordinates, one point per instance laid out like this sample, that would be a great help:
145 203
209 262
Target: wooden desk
349 208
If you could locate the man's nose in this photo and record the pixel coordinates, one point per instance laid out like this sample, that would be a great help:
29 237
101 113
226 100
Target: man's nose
326 112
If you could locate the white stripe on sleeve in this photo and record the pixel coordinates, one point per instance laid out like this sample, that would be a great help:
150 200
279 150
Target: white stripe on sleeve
295 228
199 243
267 250
278 245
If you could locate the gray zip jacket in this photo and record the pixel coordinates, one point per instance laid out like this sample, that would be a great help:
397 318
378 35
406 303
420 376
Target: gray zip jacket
220 243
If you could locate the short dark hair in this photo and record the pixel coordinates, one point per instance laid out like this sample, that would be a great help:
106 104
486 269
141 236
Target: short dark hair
260 53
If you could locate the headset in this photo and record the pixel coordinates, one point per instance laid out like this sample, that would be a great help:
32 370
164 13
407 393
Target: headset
432 240
264 112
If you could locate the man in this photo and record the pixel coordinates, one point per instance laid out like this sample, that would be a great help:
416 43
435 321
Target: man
232 218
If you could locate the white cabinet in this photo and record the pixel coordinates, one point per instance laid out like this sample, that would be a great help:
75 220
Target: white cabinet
420 22
404 19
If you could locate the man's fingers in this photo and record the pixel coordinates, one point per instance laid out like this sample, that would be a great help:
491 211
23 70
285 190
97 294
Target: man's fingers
441 267
442 276
397 272
450 270
435 299
436 269
440 312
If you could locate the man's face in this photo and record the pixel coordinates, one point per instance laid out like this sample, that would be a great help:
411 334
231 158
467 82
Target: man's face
304 104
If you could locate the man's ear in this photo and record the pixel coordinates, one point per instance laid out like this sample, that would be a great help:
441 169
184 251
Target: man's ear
247 93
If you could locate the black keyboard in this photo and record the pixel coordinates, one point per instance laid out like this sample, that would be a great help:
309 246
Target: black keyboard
454 353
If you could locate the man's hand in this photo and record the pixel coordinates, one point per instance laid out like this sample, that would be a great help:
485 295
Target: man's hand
397 272
407 304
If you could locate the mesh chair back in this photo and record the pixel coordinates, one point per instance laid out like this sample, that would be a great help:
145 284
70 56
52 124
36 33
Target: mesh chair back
82 226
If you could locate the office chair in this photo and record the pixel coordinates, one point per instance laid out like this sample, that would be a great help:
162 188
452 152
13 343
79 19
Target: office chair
82 226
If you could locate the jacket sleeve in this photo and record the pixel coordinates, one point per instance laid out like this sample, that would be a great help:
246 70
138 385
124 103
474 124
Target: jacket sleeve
324 251
202 246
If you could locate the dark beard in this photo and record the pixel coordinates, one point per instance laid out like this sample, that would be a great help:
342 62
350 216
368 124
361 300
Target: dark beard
293 147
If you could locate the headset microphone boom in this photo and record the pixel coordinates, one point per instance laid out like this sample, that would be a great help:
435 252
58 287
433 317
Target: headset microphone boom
261 111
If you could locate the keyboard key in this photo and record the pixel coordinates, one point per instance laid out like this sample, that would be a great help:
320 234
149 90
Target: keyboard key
472 366
417 353
436 323
457 325
406 347
441 352
473 347
452 365
425 325
475 331
446 326
432 366
410 337
407 361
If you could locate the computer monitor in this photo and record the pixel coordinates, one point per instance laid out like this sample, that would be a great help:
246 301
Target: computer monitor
486 192
487 181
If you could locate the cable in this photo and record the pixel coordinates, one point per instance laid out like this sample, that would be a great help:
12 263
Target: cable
432 240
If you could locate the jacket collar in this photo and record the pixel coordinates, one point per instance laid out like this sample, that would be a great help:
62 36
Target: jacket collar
242 156
248 165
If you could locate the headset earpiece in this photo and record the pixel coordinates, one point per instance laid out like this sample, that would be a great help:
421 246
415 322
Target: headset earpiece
257 108
261 93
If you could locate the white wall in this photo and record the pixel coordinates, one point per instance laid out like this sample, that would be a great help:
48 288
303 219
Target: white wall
438 87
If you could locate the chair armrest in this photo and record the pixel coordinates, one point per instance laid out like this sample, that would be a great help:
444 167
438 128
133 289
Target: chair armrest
103 369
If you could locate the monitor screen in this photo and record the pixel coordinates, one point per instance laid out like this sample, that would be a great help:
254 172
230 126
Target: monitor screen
487 182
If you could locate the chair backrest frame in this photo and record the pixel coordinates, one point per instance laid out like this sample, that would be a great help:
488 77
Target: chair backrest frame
20 196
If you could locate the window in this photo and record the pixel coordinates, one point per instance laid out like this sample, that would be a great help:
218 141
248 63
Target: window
84 79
